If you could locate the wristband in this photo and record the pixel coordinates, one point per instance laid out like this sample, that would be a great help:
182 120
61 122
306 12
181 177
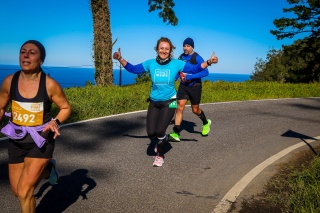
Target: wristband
209 64
56 120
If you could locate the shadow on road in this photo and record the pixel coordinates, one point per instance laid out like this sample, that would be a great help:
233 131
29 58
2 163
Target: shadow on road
151 145
4 172
61 196
306 106
293 134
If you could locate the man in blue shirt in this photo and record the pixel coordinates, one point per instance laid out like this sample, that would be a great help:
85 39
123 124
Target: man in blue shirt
190 90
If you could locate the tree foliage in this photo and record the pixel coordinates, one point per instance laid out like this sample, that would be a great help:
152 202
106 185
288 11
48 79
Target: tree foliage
303 60
296 63
166 12
299 62
143 77
306 20
271 69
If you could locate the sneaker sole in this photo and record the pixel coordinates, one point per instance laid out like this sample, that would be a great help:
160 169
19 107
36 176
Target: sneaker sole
155 165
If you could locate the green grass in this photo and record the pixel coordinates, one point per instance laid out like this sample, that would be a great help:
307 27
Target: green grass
305 188
296 191
91 101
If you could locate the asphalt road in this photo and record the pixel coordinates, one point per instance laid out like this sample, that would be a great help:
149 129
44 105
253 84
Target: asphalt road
105 164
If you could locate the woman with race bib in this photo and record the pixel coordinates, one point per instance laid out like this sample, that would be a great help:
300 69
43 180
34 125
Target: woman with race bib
163 71
31 129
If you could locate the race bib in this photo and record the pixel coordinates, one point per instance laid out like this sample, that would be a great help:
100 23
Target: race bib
173 104
27 114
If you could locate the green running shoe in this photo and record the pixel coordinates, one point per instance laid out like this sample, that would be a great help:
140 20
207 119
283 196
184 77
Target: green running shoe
206 128
175 137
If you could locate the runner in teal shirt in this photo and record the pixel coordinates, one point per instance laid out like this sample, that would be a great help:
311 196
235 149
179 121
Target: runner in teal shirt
163 71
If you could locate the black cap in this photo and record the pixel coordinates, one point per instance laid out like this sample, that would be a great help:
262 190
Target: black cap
40 47
189 41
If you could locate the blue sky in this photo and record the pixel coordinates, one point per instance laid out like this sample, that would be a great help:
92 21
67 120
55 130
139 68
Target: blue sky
237 31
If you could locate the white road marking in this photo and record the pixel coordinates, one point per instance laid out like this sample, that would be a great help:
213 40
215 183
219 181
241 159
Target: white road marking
231 196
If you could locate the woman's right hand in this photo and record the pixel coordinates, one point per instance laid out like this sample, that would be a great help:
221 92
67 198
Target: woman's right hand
117 55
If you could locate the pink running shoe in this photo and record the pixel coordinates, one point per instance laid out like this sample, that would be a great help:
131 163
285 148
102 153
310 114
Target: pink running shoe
158 161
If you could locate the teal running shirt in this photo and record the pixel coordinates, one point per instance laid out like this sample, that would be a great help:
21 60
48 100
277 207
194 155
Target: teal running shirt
163 76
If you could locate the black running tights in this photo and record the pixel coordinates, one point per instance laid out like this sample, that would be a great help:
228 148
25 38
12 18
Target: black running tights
158 118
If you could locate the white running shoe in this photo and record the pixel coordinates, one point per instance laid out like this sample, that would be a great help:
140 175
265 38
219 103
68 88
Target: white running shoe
158 161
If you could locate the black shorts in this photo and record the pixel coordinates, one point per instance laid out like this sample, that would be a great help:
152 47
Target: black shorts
192 93
18 150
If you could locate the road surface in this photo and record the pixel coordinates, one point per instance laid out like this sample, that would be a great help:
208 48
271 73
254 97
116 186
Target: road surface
105 164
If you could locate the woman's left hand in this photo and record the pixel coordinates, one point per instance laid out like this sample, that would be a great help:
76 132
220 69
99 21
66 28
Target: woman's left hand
213 59
53 127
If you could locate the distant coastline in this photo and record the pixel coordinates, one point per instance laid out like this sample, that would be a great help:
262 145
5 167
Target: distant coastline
79 76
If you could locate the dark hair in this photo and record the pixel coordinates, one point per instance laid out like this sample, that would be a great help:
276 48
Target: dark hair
40 47
164 39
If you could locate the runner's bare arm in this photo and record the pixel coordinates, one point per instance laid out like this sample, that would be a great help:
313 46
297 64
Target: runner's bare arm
5 95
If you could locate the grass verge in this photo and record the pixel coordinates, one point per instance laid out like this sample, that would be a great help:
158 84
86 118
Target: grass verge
92 101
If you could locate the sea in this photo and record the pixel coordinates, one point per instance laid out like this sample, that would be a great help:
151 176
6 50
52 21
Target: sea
74 76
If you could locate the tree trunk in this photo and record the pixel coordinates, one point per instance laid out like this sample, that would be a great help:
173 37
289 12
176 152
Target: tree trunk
102 42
